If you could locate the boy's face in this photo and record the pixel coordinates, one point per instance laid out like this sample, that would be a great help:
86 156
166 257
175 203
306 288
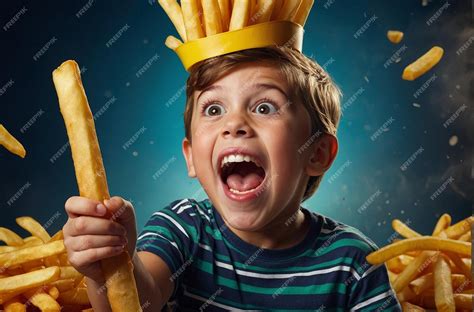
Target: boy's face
248 113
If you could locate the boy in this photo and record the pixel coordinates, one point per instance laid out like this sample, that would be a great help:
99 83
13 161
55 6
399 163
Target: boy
260 134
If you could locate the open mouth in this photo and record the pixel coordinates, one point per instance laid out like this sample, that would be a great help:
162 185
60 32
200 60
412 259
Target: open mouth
241 174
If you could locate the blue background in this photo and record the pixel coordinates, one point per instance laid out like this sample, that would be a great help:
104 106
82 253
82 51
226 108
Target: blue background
365 166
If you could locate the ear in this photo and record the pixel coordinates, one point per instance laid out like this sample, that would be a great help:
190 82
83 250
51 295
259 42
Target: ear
188 156
324 152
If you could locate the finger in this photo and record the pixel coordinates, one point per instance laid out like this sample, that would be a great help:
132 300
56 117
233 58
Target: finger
84 242
120 209
85 225
86 257
77 205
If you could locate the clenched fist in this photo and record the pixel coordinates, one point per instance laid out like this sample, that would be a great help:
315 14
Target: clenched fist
95 231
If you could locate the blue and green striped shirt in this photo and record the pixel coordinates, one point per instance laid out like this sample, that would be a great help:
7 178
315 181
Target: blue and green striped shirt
215 270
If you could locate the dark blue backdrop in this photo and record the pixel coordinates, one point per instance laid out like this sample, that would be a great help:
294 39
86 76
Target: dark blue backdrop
386 120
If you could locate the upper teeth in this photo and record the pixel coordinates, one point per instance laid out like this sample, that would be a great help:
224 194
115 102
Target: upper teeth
238 158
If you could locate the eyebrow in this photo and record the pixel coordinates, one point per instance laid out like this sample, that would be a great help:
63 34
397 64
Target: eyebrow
265 86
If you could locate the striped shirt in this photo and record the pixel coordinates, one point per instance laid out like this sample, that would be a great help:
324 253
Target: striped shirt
214 270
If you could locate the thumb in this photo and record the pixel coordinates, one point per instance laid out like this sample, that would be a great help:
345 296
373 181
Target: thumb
121 211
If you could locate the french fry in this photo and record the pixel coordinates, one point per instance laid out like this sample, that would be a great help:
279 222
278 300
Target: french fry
406 294
403 229
7 248
426 281
29 280
90 174
443 286
264 11
443 222
212 17
32 226
276 9
289 9
466 237
192 19
464 268
303 12
24 255
419 243
69 272
77 296
413 263
63 260
173 10
63 284
44 302
462 301
10 143
399 263
240 14
414 269
32 265
172 42
14 305
224 7
460 228
423 64
408 307
10 238
53 292
394 36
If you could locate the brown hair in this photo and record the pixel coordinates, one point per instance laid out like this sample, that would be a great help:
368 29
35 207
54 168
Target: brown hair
310 83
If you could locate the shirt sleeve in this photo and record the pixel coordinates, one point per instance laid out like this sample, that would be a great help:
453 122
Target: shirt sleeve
372 291
168 234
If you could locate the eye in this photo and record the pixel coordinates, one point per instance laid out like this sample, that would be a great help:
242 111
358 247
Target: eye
213 110
266 108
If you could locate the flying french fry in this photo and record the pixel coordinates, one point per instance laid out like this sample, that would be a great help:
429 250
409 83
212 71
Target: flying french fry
394 36
10 143
423 64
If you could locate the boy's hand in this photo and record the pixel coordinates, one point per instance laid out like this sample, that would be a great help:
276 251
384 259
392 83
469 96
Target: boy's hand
90 237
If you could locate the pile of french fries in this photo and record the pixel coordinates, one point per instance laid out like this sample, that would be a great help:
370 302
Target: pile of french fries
195 19
35 272
430 272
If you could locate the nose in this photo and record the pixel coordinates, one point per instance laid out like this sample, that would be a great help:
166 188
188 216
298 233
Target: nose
236 126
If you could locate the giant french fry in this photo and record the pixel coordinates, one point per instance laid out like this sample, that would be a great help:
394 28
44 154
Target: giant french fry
90 174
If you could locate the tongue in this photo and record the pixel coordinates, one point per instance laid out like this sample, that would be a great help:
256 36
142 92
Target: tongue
244 183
